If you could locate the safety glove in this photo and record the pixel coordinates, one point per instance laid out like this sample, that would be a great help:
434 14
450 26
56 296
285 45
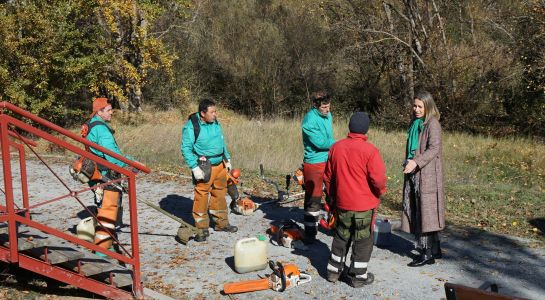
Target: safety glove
198 173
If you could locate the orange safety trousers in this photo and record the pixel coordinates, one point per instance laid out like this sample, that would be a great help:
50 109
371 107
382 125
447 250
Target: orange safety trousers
107 216
216 188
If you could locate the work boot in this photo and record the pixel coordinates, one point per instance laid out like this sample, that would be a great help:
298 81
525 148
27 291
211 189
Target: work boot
436 250
333 277
358 282
425 259
227 228
202 235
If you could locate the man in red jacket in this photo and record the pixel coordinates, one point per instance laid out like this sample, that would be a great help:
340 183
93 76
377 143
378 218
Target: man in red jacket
355 177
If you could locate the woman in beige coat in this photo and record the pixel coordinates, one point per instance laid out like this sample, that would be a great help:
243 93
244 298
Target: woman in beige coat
423 193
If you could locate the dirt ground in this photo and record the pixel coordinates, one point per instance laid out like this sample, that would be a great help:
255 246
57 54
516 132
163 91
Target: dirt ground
199 270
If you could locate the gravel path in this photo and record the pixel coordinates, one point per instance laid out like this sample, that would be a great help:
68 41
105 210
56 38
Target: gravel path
471 257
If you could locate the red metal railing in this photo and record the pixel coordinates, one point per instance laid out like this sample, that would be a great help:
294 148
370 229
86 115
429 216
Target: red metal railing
10 211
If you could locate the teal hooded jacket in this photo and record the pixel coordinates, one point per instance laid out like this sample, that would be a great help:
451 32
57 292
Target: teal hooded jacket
210 143
317 136
102 135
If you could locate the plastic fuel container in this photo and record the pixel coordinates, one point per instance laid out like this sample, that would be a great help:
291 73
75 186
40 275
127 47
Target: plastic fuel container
85 229
382 232
251 254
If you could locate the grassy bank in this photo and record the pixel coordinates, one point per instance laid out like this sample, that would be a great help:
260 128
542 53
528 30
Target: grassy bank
493 184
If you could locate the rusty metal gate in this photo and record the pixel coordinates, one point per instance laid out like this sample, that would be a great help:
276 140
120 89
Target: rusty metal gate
24 242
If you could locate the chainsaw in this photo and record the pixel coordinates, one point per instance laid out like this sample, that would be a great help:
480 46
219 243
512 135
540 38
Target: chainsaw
283 277
285 233
328 221
298 177
232 181
243 206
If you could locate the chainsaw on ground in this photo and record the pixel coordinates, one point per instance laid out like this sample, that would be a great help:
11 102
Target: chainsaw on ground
240 205
283 277
246 206
285 233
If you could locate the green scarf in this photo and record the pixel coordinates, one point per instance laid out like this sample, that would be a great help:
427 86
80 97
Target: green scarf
412 137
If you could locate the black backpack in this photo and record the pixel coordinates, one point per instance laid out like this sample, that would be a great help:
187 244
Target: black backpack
194 117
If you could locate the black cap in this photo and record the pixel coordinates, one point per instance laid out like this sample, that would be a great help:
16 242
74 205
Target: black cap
359 122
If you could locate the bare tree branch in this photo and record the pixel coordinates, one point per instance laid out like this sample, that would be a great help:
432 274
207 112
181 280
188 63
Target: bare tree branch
501 28
399 40
160 34
392 7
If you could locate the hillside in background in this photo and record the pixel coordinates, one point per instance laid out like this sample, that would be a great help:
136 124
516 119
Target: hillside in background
484 61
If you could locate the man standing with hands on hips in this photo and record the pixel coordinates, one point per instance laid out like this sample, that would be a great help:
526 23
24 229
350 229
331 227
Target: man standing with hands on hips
204 150
317 130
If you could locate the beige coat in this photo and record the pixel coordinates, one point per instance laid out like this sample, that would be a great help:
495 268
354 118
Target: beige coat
431 205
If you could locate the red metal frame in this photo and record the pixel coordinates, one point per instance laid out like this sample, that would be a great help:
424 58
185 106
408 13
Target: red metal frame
9 212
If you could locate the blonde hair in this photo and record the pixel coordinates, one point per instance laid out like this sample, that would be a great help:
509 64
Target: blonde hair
430 109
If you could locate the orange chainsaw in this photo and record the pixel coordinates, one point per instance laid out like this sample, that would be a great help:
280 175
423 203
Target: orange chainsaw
328 222
283 277
240 205
244 206
285 232
299 177
232 181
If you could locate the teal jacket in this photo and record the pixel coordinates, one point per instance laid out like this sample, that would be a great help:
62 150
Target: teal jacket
101 135
317 136
210 143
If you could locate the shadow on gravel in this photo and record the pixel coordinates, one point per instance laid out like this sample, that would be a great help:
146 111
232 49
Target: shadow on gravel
399 243
274 212
230 261
178 206
318 255
82 214
492 257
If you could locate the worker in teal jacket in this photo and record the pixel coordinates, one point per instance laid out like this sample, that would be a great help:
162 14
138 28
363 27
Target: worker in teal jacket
104 136
317 130
108 198
204 150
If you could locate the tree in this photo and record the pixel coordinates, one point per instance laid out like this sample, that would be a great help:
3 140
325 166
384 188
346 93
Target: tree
526 105
124 26
260 57
57 56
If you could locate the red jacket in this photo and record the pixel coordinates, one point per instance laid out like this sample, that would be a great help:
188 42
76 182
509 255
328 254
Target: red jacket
355 175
